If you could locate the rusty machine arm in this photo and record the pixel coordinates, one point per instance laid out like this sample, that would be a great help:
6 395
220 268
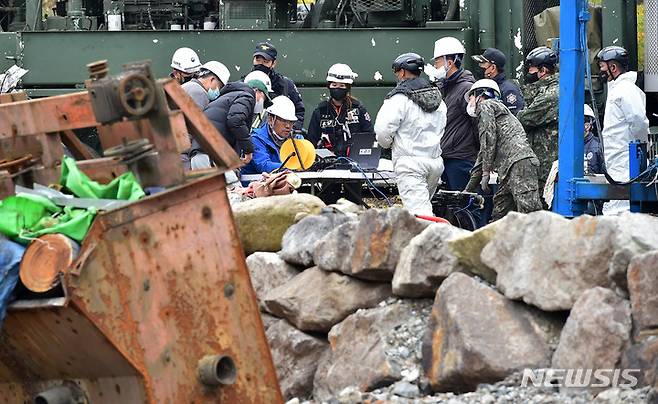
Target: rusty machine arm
158 306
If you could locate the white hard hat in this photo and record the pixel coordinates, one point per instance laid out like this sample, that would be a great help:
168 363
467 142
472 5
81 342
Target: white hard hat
589 112
283 108
218 69
258 75
341 73
448 46
484 83
185 60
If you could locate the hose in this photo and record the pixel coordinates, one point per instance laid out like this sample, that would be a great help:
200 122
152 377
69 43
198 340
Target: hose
453 7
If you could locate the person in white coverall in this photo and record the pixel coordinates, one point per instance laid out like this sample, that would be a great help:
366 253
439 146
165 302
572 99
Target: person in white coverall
625 118
411 122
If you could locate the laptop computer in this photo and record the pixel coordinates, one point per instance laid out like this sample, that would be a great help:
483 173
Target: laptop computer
365 151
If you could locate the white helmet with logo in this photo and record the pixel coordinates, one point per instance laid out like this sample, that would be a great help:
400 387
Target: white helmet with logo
341 73
589 112
258 75
185 60
283 108
483 84
448 46
218 69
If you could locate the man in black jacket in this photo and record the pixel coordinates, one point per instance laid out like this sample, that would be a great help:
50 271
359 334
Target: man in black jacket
265 60
492 62
460 143
232 114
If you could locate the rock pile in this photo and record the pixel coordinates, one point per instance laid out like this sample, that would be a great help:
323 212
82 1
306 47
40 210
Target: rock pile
383 307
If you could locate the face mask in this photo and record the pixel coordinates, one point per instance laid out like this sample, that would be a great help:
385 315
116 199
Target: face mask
338 94
603 76
471 108
213 94
260 105
485 75
441 73
263 68
532 77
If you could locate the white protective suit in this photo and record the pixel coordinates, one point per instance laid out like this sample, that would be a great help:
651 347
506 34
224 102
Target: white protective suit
625 121
414 136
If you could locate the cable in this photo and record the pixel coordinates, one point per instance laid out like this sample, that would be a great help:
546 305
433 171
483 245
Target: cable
365 176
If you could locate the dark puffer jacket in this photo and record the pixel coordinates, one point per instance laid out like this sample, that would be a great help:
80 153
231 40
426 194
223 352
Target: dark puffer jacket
460 140
232 114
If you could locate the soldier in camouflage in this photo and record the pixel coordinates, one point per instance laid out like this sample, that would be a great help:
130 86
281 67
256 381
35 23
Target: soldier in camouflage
540 116
503 149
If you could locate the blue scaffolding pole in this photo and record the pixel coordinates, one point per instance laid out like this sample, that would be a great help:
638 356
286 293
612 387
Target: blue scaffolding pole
573 19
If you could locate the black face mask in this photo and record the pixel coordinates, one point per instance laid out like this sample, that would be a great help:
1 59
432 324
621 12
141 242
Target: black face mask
263 68
338 94
603 76
532 77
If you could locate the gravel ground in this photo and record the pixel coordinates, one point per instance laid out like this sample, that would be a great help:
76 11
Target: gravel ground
507 391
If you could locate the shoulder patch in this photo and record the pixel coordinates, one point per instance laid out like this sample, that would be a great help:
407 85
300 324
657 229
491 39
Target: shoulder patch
511 98
366 115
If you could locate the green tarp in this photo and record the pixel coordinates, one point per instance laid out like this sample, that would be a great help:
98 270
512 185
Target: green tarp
24 217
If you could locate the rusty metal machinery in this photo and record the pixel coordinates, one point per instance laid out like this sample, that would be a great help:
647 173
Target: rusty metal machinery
158 306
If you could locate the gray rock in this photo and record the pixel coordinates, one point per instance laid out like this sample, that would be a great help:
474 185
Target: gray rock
379 239
268 320
406 389
262 222
295 355
468 247
300 239
596 332
642 286
268 271
623 396
426 262
333 251
364 348
316 300
469 336
643 357
636 235
550 261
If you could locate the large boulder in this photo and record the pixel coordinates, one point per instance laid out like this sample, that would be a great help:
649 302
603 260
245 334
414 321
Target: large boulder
333 251
642 359
268 271
262 222
300 239
476 335
636 235
596 332
379 238
468 247
373 348
316 300
550 261
295 355
642 286
426 262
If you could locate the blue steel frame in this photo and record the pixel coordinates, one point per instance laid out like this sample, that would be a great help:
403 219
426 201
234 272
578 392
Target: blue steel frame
572 189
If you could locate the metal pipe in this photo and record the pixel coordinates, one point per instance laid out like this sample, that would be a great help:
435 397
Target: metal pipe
74 8
487 19
217 370
573 19
56 395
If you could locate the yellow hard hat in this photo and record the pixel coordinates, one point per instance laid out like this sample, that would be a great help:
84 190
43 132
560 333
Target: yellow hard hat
304 160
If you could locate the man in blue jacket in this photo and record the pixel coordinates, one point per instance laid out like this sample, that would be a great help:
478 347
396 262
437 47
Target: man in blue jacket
267 139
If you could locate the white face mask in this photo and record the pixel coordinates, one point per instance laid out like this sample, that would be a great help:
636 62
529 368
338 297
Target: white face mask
260 105
471 108
441 73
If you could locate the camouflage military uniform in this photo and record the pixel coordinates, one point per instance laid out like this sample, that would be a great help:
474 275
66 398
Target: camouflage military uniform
540 121
505 150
